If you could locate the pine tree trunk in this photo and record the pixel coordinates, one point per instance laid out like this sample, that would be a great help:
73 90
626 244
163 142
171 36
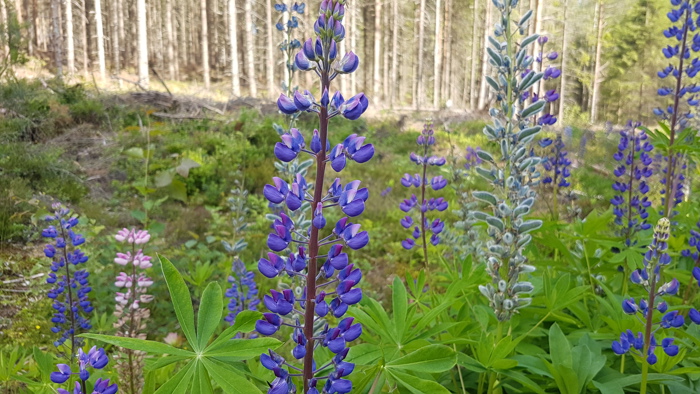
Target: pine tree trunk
116 55
70 43
56 39
171 57
343 50
437 55
474 57
420 94
250 49
394 54
142 43
483 91
447 81
537 66
100 41
564 66
386 23
377 48
205 44
233 42
597 74
84 38
271 91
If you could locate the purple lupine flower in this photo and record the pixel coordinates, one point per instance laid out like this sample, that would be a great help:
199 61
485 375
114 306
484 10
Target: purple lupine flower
633 169
649 277
70 285
95 358
420 232
243 294
316 257
472 158
556 165
550 73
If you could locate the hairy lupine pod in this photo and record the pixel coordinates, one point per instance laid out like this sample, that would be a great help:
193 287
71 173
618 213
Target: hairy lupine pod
70 285
324 281
513 173
424 159
131 314
650 278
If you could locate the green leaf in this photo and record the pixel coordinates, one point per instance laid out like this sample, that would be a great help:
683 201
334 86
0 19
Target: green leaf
182 303
559 347
143 345
177 190
400 305
245 322
163 179
185 166
229 378
179 383
134 153
242 349
209 315
202 382
417 385
364 354
429 359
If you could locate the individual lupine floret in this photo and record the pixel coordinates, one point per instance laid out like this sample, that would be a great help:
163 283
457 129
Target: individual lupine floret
328 281
633 170
95 358
514 172
70 285
131 314
644 343
423 159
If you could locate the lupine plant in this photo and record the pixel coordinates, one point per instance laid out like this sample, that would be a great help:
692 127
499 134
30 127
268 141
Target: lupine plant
549 73
556 170
514 173
70 284
306 313
95 358
422 224
289 44
463 236
686 66
243 294
631 188
131 314
644 344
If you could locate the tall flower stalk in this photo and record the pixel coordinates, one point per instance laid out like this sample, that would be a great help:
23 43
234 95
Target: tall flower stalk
682 17
633 169
95 358
513 173
329 286
644 344
290 22
556 165
422 225
131 314
70 285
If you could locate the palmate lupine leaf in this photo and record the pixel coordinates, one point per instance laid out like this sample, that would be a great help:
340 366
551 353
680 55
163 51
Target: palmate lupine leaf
218 359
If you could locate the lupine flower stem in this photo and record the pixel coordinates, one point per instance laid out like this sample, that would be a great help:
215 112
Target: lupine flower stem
313 243
70 300
422 211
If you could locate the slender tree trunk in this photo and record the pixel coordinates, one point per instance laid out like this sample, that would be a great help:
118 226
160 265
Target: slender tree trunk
377 48
205 44
394 54
4 29
483 91
271 91
437 55
563 91
353 44
597 74
116 39
250 49
100 40
419 58
171 58
56 39
447 81
233 42
474 57
142 43
70 43
386 23
84 38
343 49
